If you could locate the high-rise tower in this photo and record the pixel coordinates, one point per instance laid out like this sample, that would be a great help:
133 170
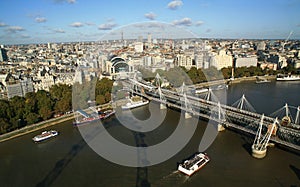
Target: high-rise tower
149 38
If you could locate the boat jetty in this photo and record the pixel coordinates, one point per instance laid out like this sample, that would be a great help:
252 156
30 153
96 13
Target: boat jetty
135 101
83 117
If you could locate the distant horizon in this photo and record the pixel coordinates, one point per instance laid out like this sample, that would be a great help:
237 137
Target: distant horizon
24 22
87 41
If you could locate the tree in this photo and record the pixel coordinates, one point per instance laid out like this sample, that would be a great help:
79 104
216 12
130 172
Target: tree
146 74
100 99
61 94
212 73
5 110
45 112
176 76
202 77
17 104
31 103
104 85
45 104
63 105
107 96
4 125
226 72
290 68
194 75
32 118
103 90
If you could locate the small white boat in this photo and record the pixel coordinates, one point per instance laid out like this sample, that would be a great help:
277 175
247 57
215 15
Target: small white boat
260 80
134 102
263 81
45 135
201 91
220 87
190 166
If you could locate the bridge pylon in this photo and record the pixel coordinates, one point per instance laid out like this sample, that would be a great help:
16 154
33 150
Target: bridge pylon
259 147
243 104
187 105
162 98
221 118
284 114
210 96
297 120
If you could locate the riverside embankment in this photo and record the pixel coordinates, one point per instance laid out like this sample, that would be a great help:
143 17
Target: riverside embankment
233 81
35 127
42 124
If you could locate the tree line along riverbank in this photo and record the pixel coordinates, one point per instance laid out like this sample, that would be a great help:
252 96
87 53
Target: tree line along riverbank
37 107
47 123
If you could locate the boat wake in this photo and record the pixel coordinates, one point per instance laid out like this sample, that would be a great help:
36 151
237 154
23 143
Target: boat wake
176 178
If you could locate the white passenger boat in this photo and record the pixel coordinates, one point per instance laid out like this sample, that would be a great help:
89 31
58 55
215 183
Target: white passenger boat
45 135
288 77
194 164
134 102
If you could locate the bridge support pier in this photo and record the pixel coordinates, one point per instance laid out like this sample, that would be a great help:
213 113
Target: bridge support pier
162 106
256 153
220 127
187 115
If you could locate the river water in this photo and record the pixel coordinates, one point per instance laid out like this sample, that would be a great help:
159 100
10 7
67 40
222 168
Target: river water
67 160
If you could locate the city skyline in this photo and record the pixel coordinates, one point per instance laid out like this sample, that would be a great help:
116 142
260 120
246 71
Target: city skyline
24 22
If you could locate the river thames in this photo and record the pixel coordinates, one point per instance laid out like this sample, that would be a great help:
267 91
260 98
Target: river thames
67 160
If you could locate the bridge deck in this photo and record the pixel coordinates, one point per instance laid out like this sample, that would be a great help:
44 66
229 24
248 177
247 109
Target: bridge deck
203 108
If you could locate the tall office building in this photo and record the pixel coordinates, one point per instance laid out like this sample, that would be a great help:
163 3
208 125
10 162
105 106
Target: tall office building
149 38
138 47
261 46
140 39
20 88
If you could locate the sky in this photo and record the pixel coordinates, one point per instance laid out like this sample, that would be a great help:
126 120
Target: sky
43 21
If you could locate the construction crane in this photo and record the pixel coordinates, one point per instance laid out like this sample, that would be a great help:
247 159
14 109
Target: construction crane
286 41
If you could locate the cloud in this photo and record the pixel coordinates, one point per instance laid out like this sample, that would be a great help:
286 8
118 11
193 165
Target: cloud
54 30
173 5
150 25
14 29
2 24
208 31
296 25
150 15
110 20
107 26
183 22
199 23
63 1
71 1
24 36
89 23
77 24
40 19
59 31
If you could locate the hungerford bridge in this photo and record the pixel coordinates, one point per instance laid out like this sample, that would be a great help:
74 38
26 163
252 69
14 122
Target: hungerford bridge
240 116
